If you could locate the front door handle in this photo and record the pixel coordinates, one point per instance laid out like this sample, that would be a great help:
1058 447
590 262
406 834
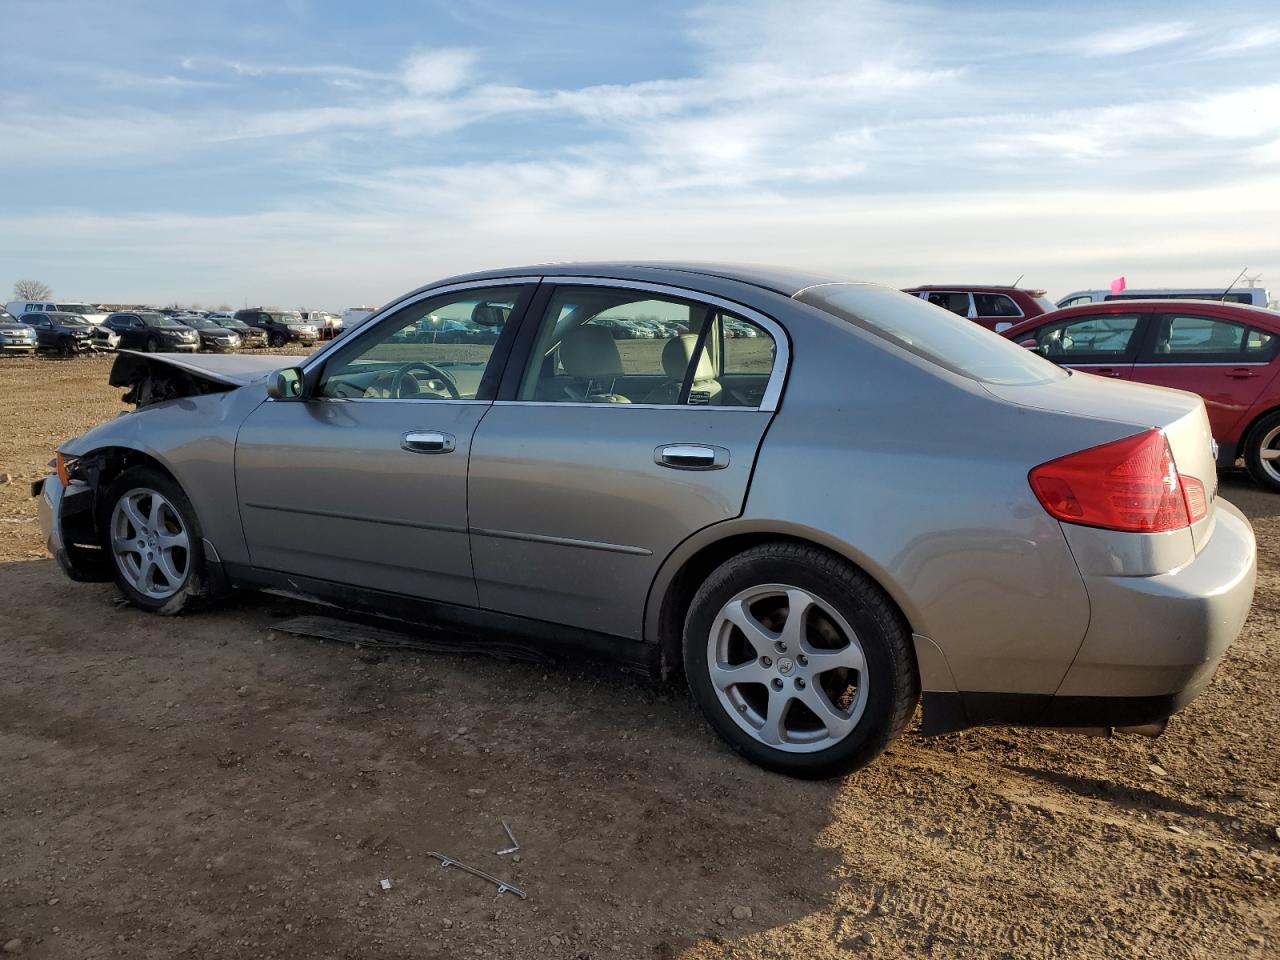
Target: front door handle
1241 374
691 456
428 441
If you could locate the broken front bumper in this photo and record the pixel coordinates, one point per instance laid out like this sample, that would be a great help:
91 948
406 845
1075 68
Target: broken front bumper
66 520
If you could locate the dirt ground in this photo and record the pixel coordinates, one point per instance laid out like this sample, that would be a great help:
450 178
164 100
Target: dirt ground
208 787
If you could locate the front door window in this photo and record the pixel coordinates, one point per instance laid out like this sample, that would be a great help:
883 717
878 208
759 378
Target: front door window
435 349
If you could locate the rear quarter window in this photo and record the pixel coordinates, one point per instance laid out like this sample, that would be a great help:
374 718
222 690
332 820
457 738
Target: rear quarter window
942 338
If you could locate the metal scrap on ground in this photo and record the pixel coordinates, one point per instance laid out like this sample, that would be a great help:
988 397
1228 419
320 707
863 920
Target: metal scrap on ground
503 886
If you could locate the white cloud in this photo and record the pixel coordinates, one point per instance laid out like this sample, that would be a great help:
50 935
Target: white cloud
429 72
1110 43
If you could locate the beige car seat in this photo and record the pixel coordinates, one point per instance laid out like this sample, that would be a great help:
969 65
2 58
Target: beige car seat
675 364
590 356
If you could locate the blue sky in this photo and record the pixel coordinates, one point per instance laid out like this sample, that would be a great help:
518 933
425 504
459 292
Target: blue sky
317 153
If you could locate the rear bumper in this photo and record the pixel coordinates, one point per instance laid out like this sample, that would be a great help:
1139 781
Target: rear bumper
1152 646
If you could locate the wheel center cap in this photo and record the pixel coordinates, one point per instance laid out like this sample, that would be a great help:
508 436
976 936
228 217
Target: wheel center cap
786 665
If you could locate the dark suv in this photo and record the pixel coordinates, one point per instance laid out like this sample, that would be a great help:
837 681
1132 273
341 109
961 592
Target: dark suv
66 334
281 328
152 331
996 308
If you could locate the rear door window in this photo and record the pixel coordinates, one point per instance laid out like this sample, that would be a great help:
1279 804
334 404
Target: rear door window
1187 338
995 305
957 303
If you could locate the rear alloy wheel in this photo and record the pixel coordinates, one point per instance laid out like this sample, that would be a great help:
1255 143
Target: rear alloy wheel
1262 452
278 339
799 661
154 541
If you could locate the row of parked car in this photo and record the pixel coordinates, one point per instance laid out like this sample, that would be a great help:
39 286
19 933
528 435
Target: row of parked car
1222 345
68 329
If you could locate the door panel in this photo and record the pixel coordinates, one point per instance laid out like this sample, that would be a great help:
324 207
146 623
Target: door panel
1227 364
571 515
328 489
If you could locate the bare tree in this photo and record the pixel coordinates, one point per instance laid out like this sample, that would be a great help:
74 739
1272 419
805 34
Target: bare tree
31 290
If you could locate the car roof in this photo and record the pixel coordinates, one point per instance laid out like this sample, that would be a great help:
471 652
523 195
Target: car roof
1242 312
976 288
783 280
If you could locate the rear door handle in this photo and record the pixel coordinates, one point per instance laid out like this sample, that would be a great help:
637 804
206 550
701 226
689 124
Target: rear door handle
691 456
1241 374
428 441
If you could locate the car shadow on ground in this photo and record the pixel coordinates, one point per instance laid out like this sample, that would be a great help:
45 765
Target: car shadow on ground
204 774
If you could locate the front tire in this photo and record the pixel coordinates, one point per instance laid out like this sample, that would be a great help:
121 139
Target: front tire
1262 452
153 537
152 345
278 340
799 661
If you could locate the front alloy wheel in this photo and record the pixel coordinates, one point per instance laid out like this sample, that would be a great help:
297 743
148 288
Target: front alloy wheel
152 534
151 544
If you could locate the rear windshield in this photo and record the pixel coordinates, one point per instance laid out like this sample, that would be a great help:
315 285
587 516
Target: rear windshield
937 335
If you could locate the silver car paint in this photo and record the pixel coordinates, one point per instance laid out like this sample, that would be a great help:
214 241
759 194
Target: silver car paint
915 473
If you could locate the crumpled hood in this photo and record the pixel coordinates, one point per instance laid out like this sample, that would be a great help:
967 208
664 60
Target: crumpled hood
233 370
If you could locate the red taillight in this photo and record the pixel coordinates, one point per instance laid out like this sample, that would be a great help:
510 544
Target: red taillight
1130 484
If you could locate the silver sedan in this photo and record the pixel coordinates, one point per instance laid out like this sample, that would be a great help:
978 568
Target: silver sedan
822 501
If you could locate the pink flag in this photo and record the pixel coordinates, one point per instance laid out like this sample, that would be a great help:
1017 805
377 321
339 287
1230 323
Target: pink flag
1117 285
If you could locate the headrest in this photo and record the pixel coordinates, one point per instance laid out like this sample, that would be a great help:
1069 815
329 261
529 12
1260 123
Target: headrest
588 351
487 315
677 354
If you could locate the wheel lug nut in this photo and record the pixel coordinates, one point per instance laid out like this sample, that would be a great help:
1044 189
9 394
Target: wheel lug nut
782 647
777 683
766 662
804 661
799 683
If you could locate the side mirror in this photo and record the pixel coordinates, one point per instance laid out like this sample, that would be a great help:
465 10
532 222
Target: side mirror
1029 344
285 384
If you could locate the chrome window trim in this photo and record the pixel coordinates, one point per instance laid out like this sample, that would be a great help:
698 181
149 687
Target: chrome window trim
625 406
461 401
318 356
781 343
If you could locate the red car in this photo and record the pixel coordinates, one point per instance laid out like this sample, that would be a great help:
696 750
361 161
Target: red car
996 308
1225 352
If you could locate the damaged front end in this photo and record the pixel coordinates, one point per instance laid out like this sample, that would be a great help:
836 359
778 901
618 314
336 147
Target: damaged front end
153 380
70 508
67 511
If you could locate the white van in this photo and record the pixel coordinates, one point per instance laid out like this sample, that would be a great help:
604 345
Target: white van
1256 296
19 307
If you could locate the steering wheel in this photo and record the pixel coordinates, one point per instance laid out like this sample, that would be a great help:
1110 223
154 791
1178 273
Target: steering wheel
434 372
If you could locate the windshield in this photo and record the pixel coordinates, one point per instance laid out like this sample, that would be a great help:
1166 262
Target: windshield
160 320
80 308
200 322
937 335
233 324
285 317
70 320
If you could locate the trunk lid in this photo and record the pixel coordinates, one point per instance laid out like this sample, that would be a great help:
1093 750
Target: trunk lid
1179 414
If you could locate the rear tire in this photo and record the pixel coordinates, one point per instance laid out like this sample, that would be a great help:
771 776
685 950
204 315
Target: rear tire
1262 452
152 345
150 531
846 659
278 339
